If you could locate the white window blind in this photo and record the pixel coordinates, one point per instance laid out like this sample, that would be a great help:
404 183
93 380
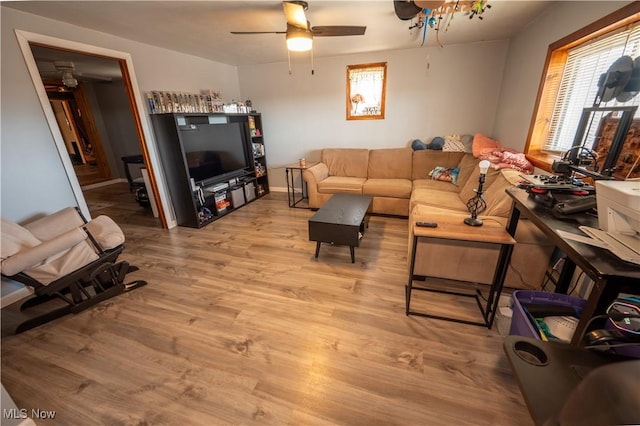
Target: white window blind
579 84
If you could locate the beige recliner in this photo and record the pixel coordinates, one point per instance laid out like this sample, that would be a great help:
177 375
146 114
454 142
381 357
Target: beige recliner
62 256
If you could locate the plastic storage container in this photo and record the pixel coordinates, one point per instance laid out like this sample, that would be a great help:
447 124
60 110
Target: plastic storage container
521 324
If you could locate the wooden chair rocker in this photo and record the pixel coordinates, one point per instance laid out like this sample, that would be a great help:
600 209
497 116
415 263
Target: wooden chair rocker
65 258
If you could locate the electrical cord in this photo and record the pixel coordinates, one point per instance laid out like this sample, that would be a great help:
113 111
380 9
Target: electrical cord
580 275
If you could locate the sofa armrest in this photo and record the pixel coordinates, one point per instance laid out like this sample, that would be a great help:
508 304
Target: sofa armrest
316 173
30 257
312 176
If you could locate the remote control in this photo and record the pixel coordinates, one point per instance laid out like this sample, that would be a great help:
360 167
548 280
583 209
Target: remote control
427 224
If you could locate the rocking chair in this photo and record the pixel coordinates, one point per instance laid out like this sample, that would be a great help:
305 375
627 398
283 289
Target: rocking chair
64 257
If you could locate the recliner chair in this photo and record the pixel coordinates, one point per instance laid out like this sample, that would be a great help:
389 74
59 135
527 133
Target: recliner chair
65 257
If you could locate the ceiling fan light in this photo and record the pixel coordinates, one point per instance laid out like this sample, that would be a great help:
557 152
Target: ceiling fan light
69 80
299 41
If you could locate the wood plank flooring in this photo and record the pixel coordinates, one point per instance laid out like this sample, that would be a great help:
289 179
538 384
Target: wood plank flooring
239 324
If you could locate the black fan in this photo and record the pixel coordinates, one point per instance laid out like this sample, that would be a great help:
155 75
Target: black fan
621 81
299 32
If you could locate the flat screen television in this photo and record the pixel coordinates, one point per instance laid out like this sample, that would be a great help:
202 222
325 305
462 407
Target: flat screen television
215 152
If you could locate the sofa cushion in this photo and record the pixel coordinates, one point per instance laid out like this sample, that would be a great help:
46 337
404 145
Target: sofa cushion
441 199
390 205
499 203
397 188
426 160
469 189
468 167
394 163
340 184
346 162
435 185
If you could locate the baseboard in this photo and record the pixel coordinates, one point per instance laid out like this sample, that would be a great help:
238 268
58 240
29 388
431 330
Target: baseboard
105 183
278 189
12 291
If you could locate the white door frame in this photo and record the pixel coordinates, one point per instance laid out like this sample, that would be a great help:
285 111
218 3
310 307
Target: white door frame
24 38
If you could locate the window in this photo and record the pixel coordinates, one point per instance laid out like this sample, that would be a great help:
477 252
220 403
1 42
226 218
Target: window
579 84
366 87
570 81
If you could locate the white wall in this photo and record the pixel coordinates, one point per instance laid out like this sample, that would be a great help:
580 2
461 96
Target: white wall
302 113
525 63
33 180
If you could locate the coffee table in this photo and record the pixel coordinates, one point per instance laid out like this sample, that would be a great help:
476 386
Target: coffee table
342 221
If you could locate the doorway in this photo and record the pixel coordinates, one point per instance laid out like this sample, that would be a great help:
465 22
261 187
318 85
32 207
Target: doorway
85 150
93 109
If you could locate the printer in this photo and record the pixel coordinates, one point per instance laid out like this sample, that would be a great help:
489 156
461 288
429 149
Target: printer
618 204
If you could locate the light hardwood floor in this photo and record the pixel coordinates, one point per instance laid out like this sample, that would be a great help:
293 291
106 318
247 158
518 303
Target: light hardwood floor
239 324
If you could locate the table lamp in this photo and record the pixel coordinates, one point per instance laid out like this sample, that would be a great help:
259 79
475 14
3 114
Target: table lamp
477 204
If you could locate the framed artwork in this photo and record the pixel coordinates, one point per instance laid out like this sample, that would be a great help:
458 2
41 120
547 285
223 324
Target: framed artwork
366 91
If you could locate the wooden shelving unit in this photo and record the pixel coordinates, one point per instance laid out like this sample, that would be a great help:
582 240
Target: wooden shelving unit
198 200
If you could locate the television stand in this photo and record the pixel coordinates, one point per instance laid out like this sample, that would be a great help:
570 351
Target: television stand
199 194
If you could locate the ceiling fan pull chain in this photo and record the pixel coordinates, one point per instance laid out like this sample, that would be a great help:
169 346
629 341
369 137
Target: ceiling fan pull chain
312 70
289 60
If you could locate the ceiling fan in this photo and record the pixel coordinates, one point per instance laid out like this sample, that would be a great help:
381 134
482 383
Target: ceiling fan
67 71
299 32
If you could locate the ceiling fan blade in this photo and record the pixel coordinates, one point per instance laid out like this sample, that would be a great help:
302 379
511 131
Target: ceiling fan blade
258 32
337 30
294 12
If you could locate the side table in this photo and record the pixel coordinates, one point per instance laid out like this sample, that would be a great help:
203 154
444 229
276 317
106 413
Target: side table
452 227
290 172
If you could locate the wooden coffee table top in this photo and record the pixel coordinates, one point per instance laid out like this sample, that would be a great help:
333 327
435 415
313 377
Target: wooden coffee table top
343 209
452 227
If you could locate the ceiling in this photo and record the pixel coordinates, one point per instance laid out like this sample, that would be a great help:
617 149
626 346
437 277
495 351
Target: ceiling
86 67
202 28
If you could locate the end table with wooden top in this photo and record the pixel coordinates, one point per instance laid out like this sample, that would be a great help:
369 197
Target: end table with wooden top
452 227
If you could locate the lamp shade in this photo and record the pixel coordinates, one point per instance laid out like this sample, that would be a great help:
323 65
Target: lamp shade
299 40
484 166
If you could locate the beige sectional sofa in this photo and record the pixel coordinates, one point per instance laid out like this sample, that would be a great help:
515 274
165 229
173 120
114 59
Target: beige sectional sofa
399 181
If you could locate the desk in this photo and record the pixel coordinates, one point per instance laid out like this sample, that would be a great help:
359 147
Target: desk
610 274
452 227
291 184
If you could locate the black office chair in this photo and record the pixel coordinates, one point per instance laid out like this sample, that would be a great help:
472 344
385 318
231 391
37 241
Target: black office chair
137 182
136 185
